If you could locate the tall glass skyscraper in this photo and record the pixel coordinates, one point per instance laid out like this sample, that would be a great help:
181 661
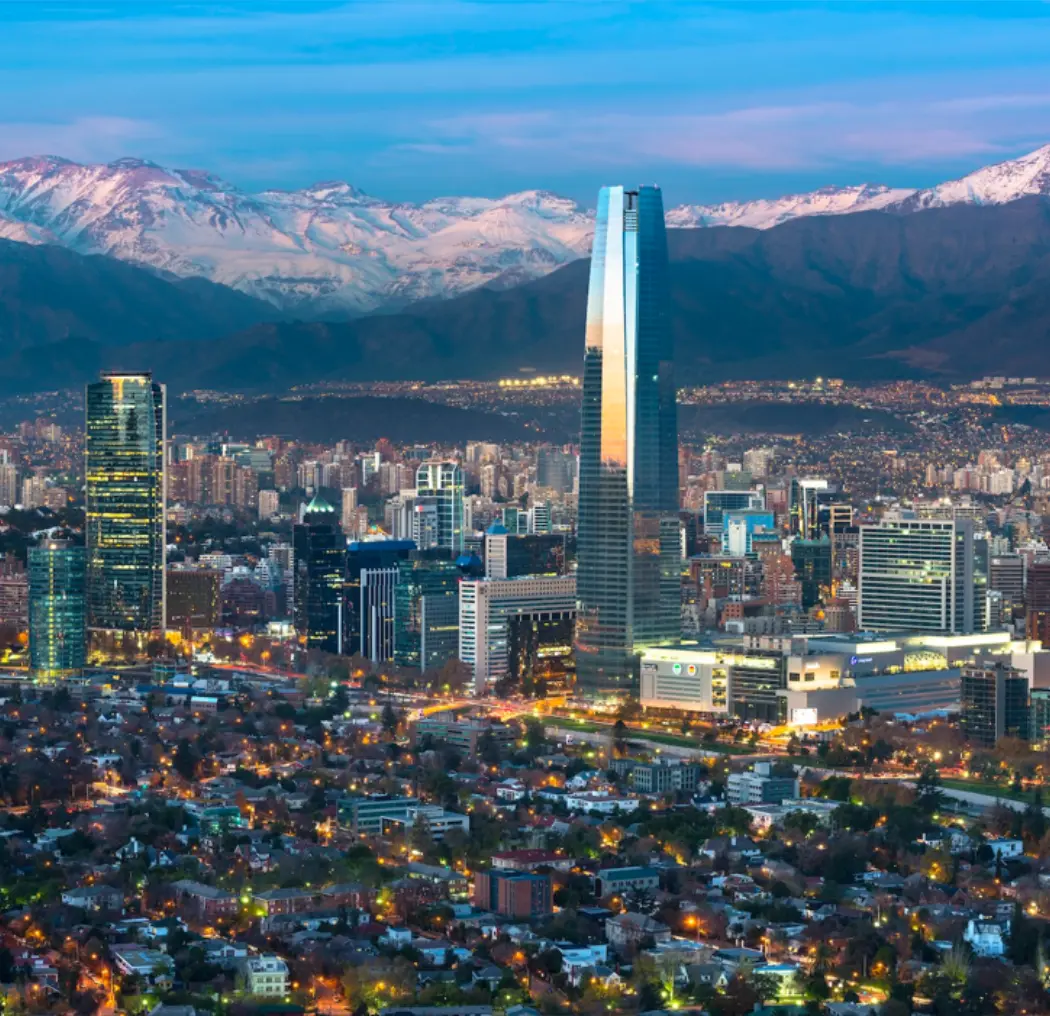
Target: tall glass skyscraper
628 546
320 576
439 498
126 424
57 623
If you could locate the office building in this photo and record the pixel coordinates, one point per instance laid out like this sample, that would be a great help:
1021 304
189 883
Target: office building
812 563
426 614
802 506
664 777
718 502
57 610
760 786
492 611
994 703
124 512
372 571
687 678
920 574
374 611
1006 576
439 503
463 734
740 526
320 576
513 894
628 536
193 599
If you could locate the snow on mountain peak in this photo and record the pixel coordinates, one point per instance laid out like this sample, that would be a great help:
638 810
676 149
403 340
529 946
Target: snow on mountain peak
342 249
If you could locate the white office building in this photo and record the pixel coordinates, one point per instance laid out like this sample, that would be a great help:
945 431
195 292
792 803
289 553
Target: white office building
488 610
920 575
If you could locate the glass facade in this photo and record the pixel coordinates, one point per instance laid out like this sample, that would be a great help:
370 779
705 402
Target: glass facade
426 615
921 575
320 576
439 491
57 610
628 547
125 495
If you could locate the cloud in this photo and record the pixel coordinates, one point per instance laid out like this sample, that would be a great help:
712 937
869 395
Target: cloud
84 139
769 137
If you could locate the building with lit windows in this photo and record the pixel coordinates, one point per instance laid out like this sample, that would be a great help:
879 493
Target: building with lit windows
439 499
628 530
491 612
920 574
426 614
124 511
320 576
57 610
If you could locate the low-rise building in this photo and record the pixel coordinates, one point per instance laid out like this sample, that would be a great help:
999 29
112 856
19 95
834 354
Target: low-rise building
266 976
616 881
760 786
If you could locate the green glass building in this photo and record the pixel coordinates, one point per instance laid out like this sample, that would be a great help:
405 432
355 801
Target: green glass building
628 578
125 500
57 610
426 614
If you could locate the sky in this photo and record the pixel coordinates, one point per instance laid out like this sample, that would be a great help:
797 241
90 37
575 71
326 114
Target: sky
714 101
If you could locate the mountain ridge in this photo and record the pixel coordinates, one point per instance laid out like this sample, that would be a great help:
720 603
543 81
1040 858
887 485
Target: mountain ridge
332 250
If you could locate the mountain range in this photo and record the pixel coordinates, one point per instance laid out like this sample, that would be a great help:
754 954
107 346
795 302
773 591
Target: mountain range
945 293
330 250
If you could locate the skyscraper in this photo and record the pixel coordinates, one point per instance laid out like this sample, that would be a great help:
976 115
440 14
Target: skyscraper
125 496
57 628
628 577
439 498
320 570
920 574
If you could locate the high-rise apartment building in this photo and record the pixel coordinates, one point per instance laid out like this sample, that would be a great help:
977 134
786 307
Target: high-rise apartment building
628 542
439 494
920 574
125 502
57 610
193 599
348 516
9 485
269 503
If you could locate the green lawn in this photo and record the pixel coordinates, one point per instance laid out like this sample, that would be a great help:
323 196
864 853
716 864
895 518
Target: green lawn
591 727
987 787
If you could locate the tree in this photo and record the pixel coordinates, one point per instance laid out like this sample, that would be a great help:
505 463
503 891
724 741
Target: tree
186 761
390 719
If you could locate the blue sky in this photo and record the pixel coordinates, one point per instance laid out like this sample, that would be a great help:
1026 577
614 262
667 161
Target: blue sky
412 100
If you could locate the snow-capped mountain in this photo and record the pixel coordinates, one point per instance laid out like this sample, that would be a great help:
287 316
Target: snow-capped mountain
763 214
329 244
337 249
992 185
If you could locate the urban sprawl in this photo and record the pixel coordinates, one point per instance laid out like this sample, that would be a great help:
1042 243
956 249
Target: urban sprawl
645 722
